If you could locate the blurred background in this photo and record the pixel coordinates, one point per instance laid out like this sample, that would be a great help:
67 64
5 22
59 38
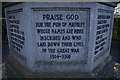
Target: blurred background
115 45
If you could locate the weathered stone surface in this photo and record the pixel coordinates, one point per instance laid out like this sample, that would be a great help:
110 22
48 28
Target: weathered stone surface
60 37
22 72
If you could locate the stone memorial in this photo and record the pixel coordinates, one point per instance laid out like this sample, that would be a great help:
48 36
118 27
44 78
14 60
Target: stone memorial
60 39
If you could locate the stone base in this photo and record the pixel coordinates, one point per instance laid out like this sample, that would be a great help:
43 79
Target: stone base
16 70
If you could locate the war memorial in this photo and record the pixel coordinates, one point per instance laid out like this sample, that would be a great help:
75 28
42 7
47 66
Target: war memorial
60 39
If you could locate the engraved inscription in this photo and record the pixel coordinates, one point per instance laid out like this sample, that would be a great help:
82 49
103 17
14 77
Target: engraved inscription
62 34
16 34
102 33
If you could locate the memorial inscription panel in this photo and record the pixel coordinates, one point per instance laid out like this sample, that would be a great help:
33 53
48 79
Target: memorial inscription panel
103 32
61 33
16 34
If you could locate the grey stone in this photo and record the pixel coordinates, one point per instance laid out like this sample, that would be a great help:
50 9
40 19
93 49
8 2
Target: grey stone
43 36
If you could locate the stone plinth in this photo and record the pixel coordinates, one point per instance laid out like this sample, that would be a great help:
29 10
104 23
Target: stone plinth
60 39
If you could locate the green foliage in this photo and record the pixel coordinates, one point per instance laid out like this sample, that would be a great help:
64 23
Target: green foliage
4 31
116 29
